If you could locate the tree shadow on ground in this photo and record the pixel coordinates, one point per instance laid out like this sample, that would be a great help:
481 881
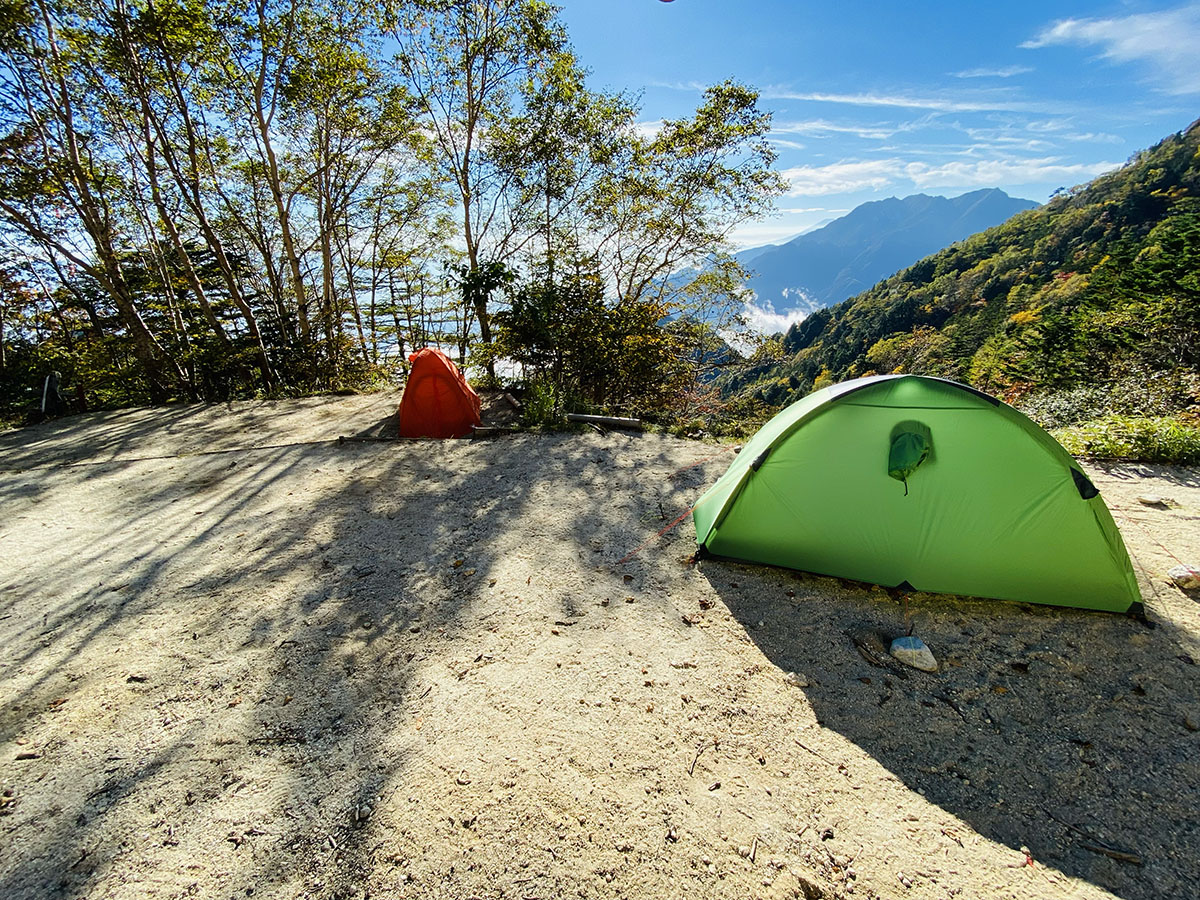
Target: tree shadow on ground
92 436
1059 730
145 632
1126 471
182 430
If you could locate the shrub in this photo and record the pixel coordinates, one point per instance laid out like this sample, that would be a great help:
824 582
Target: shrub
540 406
1158 439
545 403
612 356
1140 394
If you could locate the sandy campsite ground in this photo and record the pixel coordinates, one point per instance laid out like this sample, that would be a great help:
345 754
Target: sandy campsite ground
240 658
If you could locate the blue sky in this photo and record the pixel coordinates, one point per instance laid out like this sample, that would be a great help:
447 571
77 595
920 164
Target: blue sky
874 100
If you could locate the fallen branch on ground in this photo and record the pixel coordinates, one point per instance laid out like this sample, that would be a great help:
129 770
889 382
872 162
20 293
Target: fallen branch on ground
610 421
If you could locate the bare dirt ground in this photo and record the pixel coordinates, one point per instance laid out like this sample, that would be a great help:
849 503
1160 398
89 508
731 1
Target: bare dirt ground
242 658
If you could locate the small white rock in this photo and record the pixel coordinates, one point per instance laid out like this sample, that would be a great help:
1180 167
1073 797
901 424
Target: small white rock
1187 577
1153 500
912 652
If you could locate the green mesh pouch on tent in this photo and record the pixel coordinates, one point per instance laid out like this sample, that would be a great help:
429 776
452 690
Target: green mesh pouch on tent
909 450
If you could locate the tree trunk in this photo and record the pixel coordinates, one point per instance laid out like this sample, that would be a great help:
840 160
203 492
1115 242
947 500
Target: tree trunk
95 218
263 126
189 189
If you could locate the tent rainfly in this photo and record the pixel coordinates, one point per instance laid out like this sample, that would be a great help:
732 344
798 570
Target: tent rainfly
922 483
437 401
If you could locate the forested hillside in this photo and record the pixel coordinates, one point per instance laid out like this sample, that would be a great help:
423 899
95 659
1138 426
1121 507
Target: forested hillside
205 200
1089 304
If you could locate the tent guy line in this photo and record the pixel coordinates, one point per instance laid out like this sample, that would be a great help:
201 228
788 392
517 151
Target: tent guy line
1123 512
683 515
632 553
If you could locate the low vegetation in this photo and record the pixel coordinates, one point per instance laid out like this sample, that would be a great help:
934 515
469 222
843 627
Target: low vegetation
1159 439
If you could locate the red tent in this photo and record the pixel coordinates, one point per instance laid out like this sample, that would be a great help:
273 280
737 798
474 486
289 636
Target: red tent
437 401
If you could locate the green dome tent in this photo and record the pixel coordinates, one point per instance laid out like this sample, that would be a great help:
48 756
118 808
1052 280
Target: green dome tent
921 482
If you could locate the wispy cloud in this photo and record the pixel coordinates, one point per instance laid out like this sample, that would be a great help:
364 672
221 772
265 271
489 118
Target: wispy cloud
813 209
1168 42
1064 130
825 128
1009 138
1002 72
697 87
1033 136
1093 137
1048 126
985 173
859 175
1003 145
905 101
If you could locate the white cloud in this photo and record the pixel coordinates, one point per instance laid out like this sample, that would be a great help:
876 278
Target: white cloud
1063 130
1167 41
765 320
697 87
813 209
995 138
1048 125
991 172
841 177
821 128
1094 137
648 130
940 104
1003 72
1047 136
846 176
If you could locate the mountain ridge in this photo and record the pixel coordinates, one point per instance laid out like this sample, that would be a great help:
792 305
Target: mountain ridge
874 240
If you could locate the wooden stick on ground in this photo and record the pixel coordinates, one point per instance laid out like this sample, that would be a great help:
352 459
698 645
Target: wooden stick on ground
1093 845
1118 855
814 752
610 421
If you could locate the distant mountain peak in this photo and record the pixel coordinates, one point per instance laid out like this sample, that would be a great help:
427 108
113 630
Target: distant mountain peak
874 240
